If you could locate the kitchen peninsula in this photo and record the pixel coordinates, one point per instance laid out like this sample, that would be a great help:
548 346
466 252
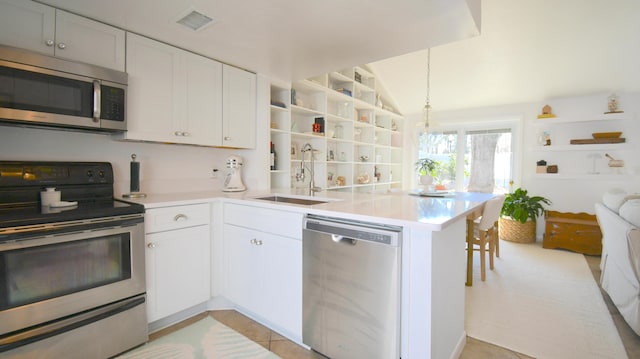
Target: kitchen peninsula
432 258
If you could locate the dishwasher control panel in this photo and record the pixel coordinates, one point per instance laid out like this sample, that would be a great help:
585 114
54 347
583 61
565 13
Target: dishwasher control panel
357 230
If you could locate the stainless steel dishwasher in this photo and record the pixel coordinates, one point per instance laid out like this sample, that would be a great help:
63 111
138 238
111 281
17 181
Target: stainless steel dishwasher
351 288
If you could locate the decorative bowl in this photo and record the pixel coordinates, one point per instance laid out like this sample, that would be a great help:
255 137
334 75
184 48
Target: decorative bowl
606 134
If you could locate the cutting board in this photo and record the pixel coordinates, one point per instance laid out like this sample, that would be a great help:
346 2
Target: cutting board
591 141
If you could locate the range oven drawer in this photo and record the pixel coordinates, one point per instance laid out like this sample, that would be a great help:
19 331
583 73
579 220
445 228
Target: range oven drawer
101 333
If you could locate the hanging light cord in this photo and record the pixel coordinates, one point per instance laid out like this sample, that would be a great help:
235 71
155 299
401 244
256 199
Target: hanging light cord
427 105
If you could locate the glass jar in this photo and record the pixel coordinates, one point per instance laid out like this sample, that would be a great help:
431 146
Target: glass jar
338 131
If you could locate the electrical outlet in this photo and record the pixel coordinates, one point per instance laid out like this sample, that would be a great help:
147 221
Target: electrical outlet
214 173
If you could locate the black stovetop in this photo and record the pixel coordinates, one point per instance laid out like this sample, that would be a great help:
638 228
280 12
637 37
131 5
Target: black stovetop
90 184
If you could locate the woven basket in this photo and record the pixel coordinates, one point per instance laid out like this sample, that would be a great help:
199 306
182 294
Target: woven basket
515 231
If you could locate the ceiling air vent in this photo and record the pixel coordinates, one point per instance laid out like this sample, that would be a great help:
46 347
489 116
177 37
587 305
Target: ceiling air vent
195 20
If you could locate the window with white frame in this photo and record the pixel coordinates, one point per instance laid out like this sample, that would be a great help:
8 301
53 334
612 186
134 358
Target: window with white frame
474 160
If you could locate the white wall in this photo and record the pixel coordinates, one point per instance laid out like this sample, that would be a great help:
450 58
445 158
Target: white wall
164 167
575 194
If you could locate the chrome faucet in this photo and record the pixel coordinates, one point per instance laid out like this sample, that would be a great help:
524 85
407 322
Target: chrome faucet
300 176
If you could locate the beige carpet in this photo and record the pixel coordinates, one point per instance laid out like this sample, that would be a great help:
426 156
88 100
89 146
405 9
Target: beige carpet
543 303
205 339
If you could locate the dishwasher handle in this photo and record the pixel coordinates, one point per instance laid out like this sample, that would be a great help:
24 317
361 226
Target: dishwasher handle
341 239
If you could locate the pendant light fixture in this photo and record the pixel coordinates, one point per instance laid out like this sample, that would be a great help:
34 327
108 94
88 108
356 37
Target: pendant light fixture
426 112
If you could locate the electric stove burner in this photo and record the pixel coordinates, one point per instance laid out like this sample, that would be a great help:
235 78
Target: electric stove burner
90 184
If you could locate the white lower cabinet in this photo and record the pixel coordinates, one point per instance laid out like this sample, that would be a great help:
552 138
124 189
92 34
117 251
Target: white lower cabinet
177 259
264 270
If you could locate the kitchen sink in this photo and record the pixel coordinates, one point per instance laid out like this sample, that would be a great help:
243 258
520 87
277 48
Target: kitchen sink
292 200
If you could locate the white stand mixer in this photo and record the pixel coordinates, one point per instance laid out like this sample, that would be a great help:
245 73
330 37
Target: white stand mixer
233 181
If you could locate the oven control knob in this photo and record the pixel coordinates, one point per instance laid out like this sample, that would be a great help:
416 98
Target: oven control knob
101 174
89 173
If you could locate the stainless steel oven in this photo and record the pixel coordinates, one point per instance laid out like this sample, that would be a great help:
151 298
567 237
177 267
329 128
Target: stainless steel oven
72 279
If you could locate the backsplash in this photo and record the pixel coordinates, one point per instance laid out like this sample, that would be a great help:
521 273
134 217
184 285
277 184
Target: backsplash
164 167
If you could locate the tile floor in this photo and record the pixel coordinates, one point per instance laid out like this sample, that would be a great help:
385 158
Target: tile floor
474 349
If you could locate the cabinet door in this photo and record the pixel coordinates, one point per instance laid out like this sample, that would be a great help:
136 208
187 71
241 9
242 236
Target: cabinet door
264 276
85 40
238 108
153 96
178 270
27 25
203 81
282 259
243 282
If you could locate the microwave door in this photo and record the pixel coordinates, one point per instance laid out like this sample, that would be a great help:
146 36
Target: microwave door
46 98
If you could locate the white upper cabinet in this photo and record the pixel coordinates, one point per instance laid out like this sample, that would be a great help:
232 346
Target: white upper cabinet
41 28
81 39
239 109
203 84
28 25
174 96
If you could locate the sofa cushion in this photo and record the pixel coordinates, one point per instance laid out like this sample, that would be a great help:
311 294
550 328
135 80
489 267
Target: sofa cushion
630 211
633 238
614 198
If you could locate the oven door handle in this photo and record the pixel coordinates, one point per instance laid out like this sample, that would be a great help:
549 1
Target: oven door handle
29 336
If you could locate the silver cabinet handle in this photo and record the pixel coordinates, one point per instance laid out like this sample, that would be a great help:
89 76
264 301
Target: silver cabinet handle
227 138
49 42
180 217
186 134
257 242
178 133
151 245
62 46
253 241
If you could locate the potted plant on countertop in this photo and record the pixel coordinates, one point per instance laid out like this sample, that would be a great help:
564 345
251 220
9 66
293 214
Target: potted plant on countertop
519 214
426 169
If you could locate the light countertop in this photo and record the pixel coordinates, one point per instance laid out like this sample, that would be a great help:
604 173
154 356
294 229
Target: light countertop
398 208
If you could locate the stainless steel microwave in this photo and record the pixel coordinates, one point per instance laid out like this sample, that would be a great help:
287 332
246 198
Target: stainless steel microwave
39 90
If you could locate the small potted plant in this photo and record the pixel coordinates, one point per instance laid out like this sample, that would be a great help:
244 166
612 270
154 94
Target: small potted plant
519 214
426 169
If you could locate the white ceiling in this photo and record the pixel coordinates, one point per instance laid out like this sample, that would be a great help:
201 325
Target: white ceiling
528 50
292 39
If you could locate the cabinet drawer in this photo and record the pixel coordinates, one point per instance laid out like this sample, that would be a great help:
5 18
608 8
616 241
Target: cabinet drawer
168 218
283 223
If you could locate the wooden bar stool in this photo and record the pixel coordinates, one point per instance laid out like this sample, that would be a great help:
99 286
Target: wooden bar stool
485 236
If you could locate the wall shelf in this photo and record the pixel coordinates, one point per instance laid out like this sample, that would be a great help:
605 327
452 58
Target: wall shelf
597 147
582 176
590 118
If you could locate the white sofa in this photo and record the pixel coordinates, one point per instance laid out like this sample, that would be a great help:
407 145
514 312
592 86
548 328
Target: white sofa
619 220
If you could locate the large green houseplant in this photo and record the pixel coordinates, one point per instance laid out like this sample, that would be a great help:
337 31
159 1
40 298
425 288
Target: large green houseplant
519 214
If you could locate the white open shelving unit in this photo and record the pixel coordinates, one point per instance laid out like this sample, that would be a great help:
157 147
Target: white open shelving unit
361 143
571 158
